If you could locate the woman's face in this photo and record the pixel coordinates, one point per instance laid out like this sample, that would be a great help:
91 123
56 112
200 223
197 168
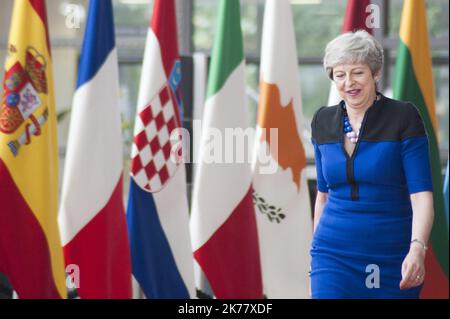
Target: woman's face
356 84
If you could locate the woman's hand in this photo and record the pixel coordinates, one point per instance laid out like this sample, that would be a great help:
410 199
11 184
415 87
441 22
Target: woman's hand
413 268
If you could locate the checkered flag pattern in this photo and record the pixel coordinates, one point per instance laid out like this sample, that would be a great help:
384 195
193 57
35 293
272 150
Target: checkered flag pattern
151 163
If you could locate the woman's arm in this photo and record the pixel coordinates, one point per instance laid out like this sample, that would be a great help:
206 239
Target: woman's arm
321 198
413 268
423 215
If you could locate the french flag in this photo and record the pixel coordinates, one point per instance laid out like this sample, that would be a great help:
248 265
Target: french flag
92 218
157 214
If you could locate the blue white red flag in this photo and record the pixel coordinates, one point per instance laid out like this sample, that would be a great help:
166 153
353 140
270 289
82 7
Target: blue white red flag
92 217
158 213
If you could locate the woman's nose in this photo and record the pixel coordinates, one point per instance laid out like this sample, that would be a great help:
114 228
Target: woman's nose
349 81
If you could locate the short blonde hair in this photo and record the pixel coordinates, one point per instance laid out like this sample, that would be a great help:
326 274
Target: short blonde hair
353 47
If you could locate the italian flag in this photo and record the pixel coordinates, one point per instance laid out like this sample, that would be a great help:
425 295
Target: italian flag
223 224
414 82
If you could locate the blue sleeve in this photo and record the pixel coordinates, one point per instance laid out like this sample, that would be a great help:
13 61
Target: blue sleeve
416 164
415 154
321 183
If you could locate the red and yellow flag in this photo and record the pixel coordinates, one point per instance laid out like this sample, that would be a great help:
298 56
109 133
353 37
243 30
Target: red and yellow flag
30 248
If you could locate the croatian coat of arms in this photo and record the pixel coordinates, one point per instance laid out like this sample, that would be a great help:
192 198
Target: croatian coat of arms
156 139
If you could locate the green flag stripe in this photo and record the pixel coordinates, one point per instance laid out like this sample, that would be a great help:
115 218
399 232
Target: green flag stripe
227 51
406 88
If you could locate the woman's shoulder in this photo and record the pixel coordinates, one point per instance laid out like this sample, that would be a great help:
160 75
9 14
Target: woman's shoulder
324 114
404 108
322 128
403 115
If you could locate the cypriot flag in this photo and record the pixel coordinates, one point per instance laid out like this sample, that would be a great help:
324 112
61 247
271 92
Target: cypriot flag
280 192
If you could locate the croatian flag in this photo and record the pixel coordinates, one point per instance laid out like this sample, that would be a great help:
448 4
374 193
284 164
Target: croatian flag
92 217
158 215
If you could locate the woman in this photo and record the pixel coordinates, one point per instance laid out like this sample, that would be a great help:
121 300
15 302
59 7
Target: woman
374 206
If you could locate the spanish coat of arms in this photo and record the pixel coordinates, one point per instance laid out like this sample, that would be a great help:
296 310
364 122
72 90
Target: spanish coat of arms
20 99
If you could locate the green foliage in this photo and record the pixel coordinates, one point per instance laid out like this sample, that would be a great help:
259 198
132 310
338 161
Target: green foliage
274 214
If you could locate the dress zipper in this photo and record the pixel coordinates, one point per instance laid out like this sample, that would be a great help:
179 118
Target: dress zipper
350 159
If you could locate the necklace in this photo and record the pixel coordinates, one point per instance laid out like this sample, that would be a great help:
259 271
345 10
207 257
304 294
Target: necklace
348 129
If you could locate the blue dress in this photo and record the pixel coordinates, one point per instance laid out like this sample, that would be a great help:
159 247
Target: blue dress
364 232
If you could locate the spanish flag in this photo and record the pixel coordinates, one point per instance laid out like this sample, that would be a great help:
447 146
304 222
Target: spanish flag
414 82
30 248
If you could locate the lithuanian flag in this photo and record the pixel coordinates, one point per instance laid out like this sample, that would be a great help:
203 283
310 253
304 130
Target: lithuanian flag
30 247
414 82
